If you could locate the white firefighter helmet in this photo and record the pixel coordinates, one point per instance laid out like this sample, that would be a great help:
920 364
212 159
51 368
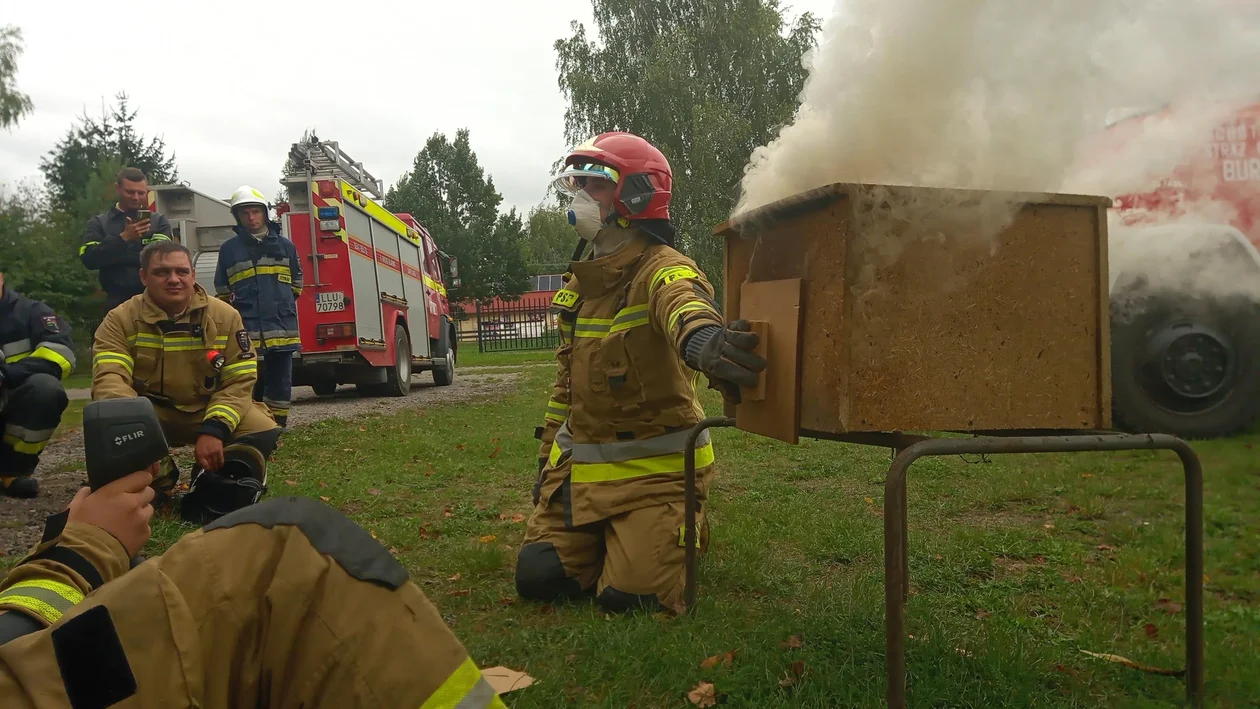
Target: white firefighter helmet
246 195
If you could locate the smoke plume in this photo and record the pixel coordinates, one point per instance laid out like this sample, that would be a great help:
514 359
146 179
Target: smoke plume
1004 95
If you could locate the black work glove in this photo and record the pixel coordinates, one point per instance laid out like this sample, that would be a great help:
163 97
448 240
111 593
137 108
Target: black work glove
726 355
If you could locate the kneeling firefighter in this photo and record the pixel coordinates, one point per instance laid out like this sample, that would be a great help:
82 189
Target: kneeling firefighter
638 324
191 355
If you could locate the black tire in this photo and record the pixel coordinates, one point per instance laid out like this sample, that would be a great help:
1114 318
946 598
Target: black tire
1184 366
444 375
324 387
398 377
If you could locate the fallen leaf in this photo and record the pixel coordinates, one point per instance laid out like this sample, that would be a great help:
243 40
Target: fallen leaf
324 498
503 680
459 446
570 658
502 515
1086 475
518 517
291 483
321 484
1060 668
792 643
1105 547
938 557
487 539
346 450
393 550
793 674
458 575
495 452
981 615
424 532
460 592
704 695
1130 663
870 500
1069 577
1048 525
447 513
362 428
726 659
373 491
1151 630
1167 606
372 533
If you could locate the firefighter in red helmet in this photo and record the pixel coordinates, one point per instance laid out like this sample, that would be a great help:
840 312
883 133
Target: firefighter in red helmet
638 323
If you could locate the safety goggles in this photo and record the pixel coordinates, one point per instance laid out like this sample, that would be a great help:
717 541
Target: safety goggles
575 178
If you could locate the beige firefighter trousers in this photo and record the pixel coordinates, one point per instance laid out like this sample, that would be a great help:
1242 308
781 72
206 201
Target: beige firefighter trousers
180 427
316 614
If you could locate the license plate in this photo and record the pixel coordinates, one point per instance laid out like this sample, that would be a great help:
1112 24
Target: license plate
330 302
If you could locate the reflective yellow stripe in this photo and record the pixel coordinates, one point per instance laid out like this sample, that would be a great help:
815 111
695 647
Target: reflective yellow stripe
83 249
464 689
557 411
669 274
608 472
682 534
282 271
554 456
688 308
626 318
225 412
279 342
239 368
22 446
175 343
50 599
43 352
428 281
119 358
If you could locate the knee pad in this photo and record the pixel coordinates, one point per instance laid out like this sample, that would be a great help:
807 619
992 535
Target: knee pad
615 601
264 441
46 391
540 575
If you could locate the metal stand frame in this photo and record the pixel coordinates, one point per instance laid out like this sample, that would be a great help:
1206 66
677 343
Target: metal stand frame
909 448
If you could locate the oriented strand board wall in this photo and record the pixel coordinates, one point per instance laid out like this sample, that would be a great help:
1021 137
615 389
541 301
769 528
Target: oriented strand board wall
954 332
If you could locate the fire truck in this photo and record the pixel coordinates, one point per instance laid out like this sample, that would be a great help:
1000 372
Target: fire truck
373 308
1184 234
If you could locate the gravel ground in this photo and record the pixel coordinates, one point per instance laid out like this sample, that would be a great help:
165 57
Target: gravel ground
61 472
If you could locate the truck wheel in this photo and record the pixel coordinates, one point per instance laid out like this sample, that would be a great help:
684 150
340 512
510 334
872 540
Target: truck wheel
324 387
398 377
1184 366
444 374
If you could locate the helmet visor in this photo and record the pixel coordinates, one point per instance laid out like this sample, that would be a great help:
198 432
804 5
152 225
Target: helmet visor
575 178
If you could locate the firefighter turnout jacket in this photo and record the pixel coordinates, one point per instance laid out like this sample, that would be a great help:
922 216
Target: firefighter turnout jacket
317 614
624 401
117 260
38 354
141 351
262 279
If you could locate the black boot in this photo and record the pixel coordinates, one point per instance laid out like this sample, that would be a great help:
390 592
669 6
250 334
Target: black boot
23 486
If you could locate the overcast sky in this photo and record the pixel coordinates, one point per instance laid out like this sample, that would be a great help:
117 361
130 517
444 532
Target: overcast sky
230 88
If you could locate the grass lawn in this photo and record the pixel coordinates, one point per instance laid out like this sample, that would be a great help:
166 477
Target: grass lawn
1017 565
468 356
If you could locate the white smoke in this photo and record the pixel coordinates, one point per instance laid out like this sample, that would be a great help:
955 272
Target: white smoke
1003 95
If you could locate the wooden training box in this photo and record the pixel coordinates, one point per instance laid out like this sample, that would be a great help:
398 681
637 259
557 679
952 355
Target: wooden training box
890 308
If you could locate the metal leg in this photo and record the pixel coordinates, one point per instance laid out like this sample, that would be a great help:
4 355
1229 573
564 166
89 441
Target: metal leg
896 577
691 506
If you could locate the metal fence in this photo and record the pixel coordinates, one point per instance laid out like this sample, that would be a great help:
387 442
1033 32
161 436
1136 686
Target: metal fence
525 324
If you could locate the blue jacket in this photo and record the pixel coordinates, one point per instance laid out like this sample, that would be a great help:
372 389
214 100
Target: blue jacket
262 280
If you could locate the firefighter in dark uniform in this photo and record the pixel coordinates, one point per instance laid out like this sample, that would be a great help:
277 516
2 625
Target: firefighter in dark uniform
114 239
37 354
260 274
316 614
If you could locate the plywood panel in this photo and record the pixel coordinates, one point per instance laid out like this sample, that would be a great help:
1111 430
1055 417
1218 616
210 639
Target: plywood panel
773 408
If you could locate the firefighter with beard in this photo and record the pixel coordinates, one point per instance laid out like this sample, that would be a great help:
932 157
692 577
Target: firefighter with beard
639 324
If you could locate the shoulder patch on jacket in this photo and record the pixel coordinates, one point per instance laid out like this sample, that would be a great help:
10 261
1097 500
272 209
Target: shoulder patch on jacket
50 323
242 339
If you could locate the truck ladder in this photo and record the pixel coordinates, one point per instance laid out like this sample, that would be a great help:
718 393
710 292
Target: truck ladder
324 157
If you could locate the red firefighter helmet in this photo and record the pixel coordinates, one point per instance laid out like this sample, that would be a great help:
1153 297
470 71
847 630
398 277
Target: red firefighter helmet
641 172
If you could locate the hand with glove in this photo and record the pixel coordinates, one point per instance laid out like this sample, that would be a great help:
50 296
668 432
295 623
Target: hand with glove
726 355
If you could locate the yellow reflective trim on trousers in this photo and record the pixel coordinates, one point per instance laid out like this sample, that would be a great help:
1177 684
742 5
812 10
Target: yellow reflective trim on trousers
682 535
239 368
688 308
123 360
50 599
661 464
554 456
278 342
464 689
22 446
42 352
225 412
669 274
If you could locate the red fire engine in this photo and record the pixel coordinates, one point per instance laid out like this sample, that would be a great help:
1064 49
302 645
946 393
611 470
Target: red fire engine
1185 270
374 304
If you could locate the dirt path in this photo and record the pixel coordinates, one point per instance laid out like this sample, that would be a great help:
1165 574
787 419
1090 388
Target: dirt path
61 472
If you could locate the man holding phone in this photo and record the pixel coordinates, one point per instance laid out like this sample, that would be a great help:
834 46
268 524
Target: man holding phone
114 239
